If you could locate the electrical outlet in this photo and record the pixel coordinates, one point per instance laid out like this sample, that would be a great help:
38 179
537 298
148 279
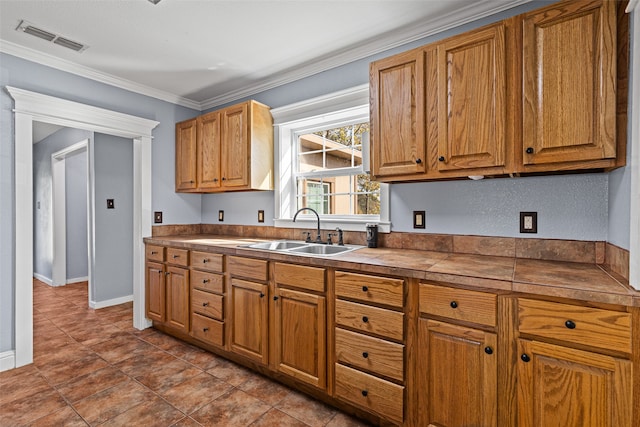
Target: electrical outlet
260 216
529 222
157 217
221 216
419 219
111 204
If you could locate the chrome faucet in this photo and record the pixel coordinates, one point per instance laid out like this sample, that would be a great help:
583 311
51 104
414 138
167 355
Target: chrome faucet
318 238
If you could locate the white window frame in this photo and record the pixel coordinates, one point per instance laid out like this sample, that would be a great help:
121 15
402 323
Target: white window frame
290 121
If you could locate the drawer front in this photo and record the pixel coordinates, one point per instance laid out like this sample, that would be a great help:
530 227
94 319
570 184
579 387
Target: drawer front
370 393
207 304
372 354
207 330
374 289
300 276
458 304
154 253
207 261
209 282
247 267
594 327
178 257
374 320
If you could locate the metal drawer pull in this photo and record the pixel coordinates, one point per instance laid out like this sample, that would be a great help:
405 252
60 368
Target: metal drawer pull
570 324
453 304
205 329
365 393
365 319
205 280
525 357
488 350
154 253
365 288
176 256
365 354
204 304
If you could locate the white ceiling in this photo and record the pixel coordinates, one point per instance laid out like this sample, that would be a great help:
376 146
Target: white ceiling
203 53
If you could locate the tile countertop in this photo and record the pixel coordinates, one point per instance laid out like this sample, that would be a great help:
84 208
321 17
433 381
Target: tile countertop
589 282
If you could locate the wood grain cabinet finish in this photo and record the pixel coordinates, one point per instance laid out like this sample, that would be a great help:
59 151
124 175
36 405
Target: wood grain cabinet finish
155 291
458 375
562 386
299 311
207 261
533 93
179 257
186 155
370 320
569 84
249 317
177 284
458 304
375 355
370 289
226 150
471 96
397 115
154 253
208 289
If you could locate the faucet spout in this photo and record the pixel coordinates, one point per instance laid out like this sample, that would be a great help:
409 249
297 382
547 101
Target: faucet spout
318 238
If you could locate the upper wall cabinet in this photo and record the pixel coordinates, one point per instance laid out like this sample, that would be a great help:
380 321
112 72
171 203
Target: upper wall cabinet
226 150
533 93
569 84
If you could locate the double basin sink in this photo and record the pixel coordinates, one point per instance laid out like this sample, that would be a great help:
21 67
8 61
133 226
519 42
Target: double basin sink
294 247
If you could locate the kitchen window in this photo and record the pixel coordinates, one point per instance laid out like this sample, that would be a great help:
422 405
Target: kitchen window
322 163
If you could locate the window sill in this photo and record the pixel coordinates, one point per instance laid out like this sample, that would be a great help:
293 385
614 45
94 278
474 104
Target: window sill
332 223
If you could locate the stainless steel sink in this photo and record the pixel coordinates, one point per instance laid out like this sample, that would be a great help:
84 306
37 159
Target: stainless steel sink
316 249
294 247
277 245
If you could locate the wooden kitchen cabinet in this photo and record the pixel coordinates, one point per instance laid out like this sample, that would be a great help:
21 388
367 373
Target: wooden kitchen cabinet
562 386
186 155
249 308
177 292
458 362
207 297
300 326
569 86
226 150
155 296
572 366
397 115
533 93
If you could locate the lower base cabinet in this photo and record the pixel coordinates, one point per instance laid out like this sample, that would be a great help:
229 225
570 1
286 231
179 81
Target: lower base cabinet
561 386
250 320
458 372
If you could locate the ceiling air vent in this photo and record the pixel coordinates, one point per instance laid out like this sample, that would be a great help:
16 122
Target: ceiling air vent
28 28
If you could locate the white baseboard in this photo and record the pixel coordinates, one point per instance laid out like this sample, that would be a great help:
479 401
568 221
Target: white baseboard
77 280
43 279
7 360
109 303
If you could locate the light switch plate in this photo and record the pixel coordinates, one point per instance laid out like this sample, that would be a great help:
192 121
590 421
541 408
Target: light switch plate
419 219
260 216
157 217
529 222
111 204
221 216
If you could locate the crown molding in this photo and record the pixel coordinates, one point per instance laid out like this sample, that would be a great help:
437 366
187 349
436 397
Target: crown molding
384 42
33 55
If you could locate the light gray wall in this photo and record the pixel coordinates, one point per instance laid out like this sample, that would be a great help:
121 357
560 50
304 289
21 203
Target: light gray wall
43 196
239 208
76 182
177 208
112 274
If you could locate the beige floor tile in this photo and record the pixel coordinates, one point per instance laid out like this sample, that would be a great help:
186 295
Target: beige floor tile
195 392
306 409
233 409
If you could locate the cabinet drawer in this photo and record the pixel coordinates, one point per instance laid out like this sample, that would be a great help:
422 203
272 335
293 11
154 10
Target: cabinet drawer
371 393
178 256
594 327
154 253
374 289
370 319
206 261
207 304
247 267
372 354
209 282
300 276
459 304
207 330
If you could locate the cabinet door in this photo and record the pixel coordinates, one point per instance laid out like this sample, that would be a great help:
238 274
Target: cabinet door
249 319
186 149
209 151
300 340
559 386
235 146
471 96
155 292
569 83
458 370
397 115
178 298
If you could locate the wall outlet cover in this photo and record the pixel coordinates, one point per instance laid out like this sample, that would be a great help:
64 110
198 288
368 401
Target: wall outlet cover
111 204
221 216
529 222
419 219
260 216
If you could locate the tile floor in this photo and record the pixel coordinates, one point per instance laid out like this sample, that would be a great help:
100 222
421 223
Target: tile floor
91 367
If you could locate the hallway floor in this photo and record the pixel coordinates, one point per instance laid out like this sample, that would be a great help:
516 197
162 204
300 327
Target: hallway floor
91 367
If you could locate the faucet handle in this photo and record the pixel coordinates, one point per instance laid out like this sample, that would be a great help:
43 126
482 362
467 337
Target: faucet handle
308 239
340 239
329 235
